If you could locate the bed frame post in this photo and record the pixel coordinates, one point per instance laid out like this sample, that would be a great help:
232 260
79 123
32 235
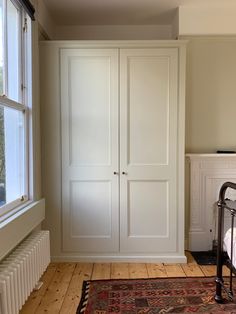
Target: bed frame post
221 205
219 278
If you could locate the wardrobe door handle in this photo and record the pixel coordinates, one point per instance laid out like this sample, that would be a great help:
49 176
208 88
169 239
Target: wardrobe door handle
124 173
115 173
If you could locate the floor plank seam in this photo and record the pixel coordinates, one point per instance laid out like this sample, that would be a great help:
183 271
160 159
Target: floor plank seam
68 287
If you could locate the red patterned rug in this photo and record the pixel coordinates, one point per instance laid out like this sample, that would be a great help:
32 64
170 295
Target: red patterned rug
141 296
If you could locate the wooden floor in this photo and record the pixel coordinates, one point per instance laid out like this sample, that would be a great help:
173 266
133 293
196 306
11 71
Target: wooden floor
61 290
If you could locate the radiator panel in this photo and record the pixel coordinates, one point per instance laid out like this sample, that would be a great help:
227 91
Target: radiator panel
21 270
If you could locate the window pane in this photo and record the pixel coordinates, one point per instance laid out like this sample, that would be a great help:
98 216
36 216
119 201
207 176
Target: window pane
12 155
1 47
13 51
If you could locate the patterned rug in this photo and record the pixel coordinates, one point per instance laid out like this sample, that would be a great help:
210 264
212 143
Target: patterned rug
141 296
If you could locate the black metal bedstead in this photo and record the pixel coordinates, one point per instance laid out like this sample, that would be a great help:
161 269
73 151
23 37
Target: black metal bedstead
223 206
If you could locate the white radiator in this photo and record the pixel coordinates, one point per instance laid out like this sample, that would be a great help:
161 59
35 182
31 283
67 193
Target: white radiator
21 270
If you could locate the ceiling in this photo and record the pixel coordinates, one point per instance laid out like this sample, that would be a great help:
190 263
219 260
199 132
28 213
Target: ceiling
121 12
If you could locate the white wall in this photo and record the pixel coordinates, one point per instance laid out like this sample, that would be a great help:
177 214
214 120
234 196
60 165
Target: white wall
211 94
113 32
44 18
175 25
188 20
206 20
96 32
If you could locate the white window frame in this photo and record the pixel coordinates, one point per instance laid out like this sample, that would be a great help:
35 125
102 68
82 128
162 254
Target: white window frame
25 104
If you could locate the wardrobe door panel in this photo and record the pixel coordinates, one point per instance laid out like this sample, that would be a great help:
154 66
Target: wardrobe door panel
148 149
89 115
147 110
89 112
144 197
90 209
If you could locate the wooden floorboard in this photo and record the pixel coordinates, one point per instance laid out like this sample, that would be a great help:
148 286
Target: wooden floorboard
120 271
156 270
56 291
61 290
138 270
101 271
174 270
192 270
82 272
208 270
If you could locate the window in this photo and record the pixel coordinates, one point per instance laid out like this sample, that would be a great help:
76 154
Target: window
15 104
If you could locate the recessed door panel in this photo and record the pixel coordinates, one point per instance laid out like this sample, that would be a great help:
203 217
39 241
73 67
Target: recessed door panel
148 109
148 209
90 208
90 106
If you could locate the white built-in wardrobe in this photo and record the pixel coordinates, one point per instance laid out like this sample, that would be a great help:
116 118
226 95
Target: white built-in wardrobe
113 149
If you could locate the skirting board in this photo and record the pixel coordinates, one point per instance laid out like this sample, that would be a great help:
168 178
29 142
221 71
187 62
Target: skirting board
132 259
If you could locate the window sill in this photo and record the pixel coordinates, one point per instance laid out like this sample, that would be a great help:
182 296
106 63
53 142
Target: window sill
15 228
13 212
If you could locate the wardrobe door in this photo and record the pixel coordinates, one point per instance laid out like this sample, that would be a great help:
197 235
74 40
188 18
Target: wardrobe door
148 150
89 121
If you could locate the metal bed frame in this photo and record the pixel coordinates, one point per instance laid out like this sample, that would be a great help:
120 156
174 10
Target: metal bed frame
225 204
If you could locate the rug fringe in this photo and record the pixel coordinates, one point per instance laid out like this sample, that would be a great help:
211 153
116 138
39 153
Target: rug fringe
84 298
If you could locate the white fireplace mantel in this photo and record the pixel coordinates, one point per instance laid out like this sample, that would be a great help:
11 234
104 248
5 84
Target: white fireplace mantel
207 173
